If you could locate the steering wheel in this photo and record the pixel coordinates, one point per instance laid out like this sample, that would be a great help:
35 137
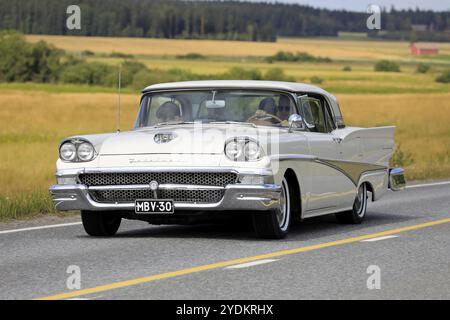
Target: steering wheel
260 114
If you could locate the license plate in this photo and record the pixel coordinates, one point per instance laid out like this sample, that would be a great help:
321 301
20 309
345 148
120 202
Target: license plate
153 206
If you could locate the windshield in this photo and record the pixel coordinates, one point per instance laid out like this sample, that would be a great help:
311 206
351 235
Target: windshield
213 106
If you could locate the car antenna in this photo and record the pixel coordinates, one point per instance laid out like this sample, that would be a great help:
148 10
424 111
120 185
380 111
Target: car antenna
118 103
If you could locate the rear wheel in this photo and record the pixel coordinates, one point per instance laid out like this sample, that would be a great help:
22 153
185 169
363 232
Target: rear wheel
100 224
357 214
275 224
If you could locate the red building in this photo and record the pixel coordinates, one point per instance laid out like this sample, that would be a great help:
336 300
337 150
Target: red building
423 49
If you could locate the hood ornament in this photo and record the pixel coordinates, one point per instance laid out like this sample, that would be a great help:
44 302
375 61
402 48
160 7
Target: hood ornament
164 137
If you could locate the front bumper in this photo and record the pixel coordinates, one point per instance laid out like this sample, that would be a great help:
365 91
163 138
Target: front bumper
239 196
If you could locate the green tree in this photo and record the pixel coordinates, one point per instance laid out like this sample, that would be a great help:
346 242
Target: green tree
15 55
21 61
387 66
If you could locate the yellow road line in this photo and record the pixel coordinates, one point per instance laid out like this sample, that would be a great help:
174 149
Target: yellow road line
181 272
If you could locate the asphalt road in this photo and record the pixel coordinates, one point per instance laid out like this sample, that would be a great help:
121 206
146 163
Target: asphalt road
409 245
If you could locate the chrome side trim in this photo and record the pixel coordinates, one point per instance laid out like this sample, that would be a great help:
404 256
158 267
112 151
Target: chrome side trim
284 157
351 169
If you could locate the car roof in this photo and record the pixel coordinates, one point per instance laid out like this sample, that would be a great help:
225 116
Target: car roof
237 84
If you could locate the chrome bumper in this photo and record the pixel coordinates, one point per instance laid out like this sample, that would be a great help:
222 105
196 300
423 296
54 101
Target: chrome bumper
237 196
397 181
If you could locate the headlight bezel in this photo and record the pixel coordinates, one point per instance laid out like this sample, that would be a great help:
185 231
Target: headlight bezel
67 144
77 143
90 152
242 144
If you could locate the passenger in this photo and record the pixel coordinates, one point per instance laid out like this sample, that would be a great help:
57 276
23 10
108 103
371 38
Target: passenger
168 112
284 109
268 105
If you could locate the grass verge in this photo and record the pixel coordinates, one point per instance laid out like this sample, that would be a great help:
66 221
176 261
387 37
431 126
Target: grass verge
25 205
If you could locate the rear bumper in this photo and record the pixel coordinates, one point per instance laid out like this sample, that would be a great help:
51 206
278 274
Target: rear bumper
397 181
236 197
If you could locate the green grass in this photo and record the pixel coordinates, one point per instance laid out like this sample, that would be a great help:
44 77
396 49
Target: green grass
26 205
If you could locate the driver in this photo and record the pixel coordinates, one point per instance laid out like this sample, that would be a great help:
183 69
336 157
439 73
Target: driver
266 113
168 112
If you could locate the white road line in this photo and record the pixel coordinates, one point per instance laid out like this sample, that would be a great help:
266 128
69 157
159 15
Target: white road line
41 227
428 184
251 264
380 238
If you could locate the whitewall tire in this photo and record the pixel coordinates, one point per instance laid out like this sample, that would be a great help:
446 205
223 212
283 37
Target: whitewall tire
275 224
358 212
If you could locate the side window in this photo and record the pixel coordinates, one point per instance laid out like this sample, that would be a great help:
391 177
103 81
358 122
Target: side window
338 116
313 111
329 119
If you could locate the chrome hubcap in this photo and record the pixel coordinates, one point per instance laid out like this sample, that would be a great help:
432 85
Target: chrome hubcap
360 200
283 207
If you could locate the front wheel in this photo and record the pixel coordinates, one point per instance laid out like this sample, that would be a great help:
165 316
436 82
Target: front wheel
100 224
275 224
357 214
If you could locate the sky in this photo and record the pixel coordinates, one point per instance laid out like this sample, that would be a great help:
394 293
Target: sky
361 5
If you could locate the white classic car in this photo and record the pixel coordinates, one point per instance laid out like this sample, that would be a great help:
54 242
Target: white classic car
276 150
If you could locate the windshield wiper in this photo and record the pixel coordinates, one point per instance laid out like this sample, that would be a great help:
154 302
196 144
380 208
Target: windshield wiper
234 122
168 123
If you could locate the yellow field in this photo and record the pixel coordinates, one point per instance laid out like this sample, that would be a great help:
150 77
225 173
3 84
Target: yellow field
422 121
335 49
34 123
221 56
362 75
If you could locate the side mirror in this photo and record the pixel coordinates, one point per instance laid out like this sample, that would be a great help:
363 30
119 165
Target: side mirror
296 120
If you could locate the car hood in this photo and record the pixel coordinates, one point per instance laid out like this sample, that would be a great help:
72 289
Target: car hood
179 139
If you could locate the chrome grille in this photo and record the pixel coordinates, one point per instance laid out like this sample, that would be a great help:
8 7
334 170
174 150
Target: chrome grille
129 178
187 196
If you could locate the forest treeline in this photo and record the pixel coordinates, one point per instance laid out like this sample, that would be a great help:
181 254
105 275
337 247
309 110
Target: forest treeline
231 20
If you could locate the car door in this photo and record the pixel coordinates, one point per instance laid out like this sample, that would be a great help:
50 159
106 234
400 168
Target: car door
328 187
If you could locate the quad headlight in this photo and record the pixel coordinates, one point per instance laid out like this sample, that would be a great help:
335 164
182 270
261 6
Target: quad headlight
77 151
85 151
68 151
243 149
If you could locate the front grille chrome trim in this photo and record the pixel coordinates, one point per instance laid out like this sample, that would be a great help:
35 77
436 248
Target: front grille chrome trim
160 187
142 178
237 170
